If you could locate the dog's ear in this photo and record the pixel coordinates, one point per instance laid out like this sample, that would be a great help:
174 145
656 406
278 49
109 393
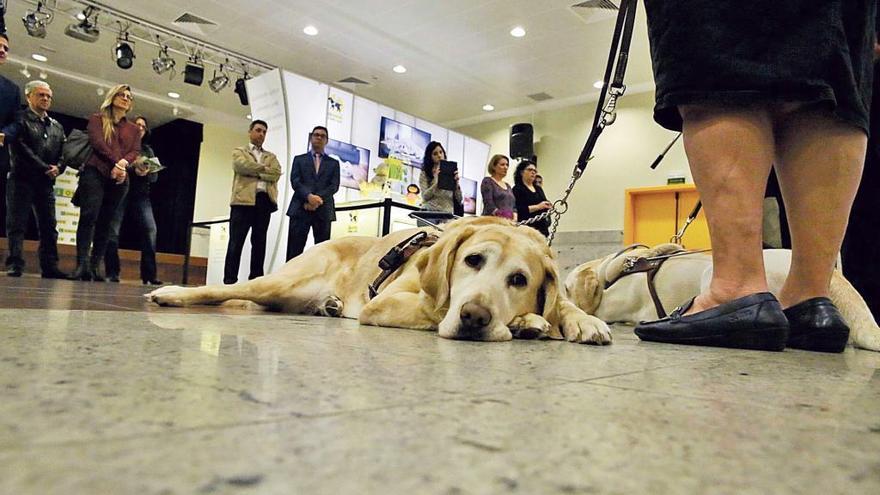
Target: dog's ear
435 267
548 297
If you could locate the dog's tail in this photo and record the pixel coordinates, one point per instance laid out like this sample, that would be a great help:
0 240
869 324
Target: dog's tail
864 332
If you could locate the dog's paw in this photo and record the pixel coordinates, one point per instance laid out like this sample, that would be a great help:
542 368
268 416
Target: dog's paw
585 329
170 295
530 326
332 307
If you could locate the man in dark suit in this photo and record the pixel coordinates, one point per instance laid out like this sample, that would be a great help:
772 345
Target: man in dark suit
315 179
10 104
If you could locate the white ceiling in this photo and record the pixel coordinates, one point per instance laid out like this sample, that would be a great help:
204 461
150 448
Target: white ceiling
459 54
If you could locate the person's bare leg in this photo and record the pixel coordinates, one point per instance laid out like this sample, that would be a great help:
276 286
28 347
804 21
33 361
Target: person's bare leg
819 165
730 151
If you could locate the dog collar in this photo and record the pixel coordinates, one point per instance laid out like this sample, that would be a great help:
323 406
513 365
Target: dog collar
397 256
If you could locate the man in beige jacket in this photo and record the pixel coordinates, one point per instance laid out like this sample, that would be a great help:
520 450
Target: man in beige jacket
254 198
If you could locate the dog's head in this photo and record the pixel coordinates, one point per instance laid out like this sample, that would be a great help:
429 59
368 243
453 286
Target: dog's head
484 272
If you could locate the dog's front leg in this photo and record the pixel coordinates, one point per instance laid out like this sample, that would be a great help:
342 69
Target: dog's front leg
578 326
401 309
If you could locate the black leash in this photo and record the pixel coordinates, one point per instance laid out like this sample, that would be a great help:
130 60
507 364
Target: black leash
606 113
620 43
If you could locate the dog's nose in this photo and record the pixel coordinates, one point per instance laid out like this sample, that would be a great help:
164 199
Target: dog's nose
474 316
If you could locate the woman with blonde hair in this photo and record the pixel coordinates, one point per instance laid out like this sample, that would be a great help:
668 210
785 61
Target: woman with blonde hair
103 179
498 199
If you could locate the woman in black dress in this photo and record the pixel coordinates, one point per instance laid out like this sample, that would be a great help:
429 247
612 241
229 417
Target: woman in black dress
784 84
530 198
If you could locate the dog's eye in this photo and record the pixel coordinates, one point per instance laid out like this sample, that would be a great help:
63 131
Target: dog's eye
517 280
474 260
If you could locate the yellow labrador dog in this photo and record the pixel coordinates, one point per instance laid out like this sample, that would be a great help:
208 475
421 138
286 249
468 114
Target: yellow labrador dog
628 300
484 279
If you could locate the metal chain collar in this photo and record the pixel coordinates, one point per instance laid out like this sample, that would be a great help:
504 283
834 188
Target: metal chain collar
560 206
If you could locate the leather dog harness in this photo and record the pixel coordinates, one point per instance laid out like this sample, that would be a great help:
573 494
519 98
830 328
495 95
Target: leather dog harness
649 266
398 255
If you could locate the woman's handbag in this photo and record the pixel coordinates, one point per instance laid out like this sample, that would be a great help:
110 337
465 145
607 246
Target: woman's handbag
76 150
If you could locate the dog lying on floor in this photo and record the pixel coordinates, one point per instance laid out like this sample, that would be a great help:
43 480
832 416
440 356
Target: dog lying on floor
628 299
484 279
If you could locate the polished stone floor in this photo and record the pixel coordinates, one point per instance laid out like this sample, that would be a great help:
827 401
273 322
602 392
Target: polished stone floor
102 394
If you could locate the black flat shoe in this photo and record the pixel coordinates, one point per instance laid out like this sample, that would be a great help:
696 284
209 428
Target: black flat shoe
754 322
13 271
153 282
56 273
816 325
113 278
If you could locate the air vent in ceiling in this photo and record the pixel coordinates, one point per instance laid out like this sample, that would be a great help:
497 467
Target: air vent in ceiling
541 96
595 10
352 80
195 24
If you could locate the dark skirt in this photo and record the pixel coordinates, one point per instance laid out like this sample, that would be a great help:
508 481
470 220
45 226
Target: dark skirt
745 53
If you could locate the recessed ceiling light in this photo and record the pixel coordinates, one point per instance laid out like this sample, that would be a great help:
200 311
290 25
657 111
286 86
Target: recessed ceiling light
518 32
39 57
488 108
248 116
399 69
174 95
599 84
310 30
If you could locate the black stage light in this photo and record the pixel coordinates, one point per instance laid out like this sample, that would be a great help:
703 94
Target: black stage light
124 53
241 89
193 73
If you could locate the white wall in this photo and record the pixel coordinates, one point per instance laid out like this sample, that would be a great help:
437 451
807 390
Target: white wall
622 157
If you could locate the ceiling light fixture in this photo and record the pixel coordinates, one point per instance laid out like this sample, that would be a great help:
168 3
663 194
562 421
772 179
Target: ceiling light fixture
39 57
174 95
310 30
241 88
25 72
86 29
599 84
85 14
518 32
194 72
488 107
35 21
219 81
44 75
124 52
399 69
163 62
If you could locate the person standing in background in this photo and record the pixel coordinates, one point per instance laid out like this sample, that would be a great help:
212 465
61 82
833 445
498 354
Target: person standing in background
314 177
497 194
254 198
433 197
35 156
137 201
530 198
10 104
103 179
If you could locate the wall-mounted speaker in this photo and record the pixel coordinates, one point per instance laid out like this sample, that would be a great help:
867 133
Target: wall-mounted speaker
521 137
